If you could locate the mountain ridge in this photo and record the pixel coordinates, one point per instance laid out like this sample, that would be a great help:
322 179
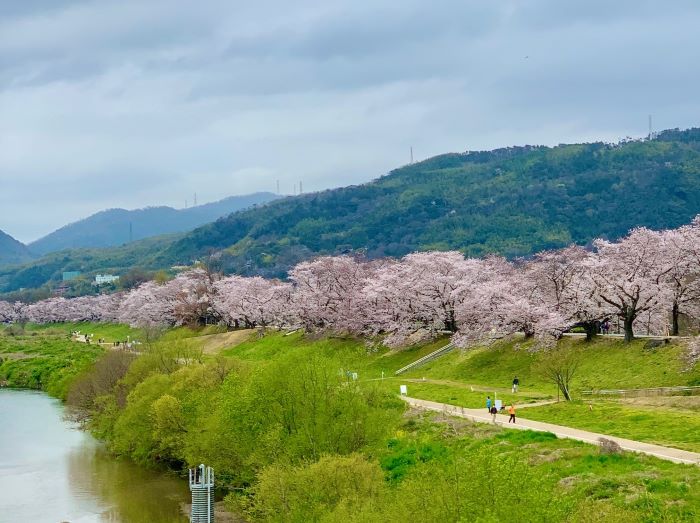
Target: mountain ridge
117 226
512 201
12 251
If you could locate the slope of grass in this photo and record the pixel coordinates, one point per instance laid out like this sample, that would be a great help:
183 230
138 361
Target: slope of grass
355 355
605 363
43 361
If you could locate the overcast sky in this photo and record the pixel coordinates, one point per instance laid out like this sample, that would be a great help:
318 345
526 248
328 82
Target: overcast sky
129 103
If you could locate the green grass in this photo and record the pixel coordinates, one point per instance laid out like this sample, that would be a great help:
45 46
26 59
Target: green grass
461 396
43 361
355 355
108 331
606 363
662 426
589 486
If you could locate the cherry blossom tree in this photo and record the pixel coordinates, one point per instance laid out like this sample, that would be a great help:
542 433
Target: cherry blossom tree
501 301
421 293
328 293
149 304
7 312
561 282
193 291
681 254
628 276
251 302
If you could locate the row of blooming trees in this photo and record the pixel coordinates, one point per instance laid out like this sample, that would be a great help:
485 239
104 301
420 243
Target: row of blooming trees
646 280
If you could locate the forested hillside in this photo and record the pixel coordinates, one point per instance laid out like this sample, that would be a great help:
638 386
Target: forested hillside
115 227
12 251
512 201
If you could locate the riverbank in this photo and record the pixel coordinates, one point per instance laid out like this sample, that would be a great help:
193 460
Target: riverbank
292 436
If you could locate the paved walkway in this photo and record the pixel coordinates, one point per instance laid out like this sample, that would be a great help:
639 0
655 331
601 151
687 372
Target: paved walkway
480 415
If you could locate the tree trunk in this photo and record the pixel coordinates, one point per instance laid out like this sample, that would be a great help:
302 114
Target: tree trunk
629 332
563 387
592 328
674 319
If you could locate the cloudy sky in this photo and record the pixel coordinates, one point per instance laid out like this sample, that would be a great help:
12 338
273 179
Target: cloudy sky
129 103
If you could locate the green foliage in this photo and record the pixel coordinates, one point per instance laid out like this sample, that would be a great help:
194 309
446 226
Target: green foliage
298 441
309 492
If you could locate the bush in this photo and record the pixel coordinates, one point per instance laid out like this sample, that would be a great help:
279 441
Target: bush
608 446
308 492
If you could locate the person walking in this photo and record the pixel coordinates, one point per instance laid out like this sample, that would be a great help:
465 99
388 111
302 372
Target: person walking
493 412
516 383
511 411
488 403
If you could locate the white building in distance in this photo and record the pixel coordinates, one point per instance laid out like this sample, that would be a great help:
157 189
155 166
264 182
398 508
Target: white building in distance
102 279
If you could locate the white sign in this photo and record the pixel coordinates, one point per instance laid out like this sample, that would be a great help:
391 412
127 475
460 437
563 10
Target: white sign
404 390
499 404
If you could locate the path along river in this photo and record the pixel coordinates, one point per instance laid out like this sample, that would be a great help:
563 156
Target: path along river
51 472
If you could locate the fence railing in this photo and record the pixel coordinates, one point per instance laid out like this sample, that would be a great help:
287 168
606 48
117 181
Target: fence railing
634 393
425 359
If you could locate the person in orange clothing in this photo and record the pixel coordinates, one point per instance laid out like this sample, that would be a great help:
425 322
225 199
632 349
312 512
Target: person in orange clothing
511 411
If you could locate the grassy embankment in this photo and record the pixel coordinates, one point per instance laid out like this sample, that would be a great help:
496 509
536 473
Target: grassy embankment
278 419
43 357
604 364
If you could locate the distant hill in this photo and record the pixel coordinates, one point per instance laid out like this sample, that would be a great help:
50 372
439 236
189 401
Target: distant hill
513 201
12 251
112 227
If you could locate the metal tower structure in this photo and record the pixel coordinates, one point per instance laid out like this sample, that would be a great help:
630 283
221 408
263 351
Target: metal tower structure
202 488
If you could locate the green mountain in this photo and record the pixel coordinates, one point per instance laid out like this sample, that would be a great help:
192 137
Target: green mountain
12 251
114 227
512 201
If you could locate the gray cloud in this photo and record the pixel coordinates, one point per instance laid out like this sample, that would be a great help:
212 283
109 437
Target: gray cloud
130 103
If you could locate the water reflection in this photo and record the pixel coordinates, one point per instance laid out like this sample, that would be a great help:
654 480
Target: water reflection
52 472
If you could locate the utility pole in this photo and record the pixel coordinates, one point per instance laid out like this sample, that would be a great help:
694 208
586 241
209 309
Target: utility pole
650 132
411 154
300 189
295 189
195 199
278 186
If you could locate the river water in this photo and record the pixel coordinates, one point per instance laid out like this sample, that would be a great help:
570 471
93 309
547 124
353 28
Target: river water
51 472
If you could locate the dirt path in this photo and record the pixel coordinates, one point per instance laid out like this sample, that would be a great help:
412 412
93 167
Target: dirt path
481 416
215 343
